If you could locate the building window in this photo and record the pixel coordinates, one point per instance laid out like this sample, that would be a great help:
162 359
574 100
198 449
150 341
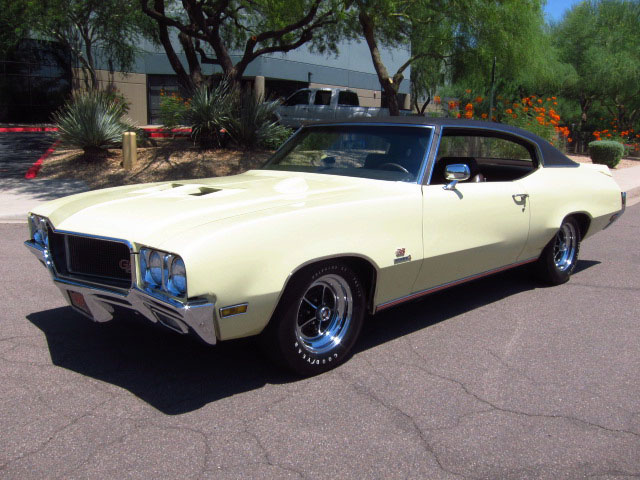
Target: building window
35 80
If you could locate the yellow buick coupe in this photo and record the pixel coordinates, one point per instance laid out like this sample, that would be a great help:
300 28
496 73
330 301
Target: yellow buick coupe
344 220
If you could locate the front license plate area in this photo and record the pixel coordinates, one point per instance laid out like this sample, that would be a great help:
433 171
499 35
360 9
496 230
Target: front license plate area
78 301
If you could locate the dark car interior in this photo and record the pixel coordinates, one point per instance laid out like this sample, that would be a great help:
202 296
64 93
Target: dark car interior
490 156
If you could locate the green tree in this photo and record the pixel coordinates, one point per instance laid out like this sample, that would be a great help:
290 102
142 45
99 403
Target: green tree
514 34
575 37
88 28
15 21
600 40
213 31
110 28
459 37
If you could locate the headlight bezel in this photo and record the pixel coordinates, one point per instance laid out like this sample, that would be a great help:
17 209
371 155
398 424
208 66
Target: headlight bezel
167 282
39 229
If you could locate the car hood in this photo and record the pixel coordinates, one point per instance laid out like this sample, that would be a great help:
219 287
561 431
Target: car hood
152 213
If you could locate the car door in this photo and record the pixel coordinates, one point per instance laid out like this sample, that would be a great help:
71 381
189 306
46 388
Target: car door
321 108
295 108
482 224
348 105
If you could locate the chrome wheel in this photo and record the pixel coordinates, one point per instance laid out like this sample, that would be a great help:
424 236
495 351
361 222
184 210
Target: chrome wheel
324 313
565 247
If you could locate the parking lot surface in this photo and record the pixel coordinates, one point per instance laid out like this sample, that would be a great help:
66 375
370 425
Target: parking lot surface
18 151
499 378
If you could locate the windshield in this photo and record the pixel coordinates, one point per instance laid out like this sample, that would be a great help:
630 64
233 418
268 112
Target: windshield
381 152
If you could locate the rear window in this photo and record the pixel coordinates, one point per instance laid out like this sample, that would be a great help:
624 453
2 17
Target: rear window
323 97
348 99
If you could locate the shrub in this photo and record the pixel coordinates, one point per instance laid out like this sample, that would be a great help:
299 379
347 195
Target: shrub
606 152
112 94
209 111
252 123
173 110
91 121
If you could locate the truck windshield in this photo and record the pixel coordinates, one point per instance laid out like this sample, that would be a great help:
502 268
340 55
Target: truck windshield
382 152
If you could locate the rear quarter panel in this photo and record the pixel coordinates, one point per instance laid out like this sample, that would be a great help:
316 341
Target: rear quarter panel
556 192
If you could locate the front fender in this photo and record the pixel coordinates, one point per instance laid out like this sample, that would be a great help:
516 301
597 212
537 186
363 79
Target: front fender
249 258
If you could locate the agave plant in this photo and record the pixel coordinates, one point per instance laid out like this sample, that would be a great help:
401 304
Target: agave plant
209 111
252 123
92 121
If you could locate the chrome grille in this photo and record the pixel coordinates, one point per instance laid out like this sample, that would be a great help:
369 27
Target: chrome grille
91 259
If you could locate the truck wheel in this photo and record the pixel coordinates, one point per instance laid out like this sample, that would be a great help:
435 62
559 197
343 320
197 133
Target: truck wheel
318 319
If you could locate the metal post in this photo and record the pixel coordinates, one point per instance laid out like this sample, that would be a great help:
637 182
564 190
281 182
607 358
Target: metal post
129 150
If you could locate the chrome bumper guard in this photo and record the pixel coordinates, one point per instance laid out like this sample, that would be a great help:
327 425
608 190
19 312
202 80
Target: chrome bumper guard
617 215
195 316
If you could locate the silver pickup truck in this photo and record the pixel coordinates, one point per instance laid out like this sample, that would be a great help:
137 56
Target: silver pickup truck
319 104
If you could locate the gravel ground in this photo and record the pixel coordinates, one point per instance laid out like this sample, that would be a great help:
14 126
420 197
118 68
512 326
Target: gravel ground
174 159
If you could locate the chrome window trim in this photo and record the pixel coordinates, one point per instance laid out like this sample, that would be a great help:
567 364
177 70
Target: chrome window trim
432 157
538 151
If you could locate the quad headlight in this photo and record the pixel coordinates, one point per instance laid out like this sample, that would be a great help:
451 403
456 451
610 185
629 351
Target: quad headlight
38 228
163 271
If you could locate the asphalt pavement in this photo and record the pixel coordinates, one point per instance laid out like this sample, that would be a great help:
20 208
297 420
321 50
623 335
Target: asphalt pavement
497 379
18 152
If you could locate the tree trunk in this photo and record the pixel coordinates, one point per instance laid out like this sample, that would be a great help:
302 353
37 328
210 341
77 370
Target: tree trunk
184 79
585 106
89 67
389 88
195 70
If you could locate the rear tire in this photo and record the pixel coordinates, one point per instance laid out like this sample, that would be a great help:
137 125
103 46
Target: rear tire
560 257
318 319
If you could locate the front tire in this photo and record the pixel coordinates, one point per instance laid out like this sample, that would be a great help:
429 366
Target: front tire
318 320
560 257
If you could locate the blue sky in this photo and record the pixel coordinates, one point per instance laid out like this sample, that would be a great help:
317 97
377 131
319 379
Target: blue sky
555 8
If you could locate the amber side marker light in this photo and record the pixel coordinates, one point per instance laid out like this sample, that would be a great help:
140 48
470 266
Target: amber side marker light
233 310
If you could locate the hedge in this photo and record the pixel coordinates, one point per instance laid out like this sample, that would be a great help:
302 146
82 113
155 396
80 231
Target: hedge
606 152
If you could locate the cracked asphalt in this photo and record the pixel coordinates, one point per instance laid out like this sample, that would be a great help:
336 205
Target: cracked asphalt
497 379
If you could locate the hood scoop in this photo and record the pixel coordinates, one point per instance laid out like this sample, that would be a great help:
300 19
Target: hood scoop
190 189
203 191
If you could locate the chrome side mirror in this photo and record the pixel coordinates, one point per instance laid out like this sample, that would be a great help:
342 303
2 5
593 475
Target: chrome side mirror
454 173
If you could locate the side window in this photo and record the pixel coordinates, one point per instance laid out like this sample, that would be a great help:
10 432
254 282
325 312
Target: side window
348 99
490 157
298 98
323 97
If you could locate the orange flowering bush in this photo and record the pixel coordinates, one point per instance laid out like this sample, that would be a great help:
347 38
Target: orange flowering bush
536 114
173 109
627 137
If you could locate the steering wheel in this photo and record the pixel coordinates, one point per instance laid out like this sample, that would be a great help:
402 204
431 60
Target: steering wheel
397 166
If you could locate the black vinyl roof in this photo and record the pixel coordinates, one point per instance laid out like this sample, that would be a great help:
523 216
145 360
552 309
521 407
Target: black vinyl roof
551 156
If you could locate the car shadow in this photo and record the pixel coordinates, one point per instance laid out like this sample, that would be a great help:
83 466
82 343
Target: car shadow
176 374
584 264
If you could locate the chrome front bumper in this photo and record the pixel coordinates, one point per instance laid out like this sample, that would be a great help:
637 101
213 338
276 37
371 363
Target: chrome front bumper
100 303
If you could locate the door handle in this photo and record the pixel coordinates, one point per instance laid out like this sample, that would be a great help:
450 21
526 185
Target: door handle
521 199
